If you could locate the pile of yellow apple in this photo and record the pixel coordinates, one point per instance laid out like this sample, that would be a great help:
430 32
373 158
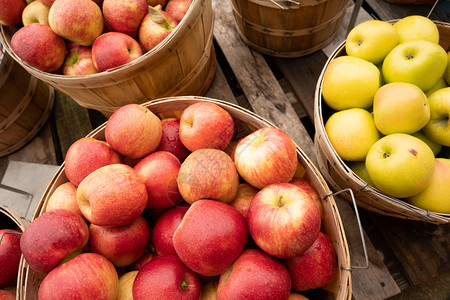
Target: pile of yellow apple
389 96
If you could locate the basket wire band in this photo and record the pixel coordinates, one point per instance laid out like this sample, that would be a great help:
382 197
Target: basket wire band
366 256
3 233
432 8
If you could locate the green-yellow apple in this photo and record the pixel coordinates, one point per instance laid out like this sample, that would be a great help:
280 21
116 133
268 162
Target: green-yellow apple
266 156
351 133
415 27
359 168
255 275
45 53
371 40
435 197
91 275
64 196
124 16
447 71
435 147
10 254
210 237
418 62
208 174
79 60
11 11
53 238
80 21
155 27
400 165
440 84
134 131
438 128
126 282
283 220
177 8
35 12
400 107
316 268
350 82
206 125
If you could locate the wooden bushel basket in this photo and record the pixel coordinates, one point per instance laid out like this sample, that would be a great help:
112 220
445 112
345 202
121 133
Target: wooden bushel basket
25 105
245 122
183 64
340 176
285 28
10 219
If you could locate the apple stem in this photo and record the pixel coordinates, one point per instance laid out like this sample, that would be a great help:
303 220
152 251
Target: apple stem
3 233
280 203
386 155
184 285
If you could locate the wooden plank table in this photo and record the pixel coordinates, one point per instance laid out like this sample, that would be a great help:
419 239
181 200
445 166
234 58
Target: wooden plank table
404 255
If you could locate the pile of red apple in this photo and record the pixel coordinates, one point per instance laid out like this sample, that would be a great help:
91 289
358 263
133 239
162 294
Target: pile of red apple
82 37
181 208
9 259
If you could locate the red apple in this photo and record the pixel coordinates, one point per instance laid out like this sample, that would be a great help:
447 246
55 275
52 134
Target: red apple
145 258
206 125
307 187
114 49
113 195
166 277
9 256
316 267
47 3
133 131
53 238
155 27
7 295
266 156
209 290
159 171
35 12
64 197
208 173
11 11
283 220
210 237
87 276
45 53
79 60
87 155
244 196
164 228
178 8
170 139
254 275
122 245
126 15
126 282
80 21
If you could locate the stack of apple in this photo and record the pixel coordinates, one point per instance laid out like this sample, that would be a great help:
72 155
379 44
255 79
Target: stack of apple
390 108
9 259
181 208
83 37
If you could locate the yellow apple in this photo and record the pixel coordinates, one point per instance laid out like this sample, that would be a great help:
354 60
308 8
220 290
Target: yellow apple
400 107
438 128
440 84
416 27
447 71
400 165
435 147
352 132
359 168
350 82
371 40
436 196
418 62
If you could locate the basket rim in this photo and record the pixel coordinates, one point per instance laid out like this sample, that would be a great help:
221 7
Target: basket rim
416 212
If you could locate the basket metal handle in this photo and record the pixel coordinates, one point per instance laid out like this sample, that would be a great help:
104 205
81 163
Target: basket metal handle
3 233
366 256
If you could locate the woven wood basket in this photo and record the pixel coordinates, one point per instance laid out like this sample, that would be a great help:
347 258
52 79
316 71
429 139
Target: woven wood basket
10 219
25 105
340 176
183 64
284 28
246 122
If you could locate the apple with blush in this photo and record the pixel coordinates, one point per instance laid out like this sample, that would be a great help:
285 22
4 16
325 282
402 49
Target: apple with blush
79 60
35 12
210 237
145 258
283 220
126 282
87 155
64 197
159 171
166 277
155 27
125 16
9 256
254 275
244 196
307 187
45 53
316 268
7 295
91 275
170 139
113 195
47 3
53 238
133 131
11 12
178 8
164 228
